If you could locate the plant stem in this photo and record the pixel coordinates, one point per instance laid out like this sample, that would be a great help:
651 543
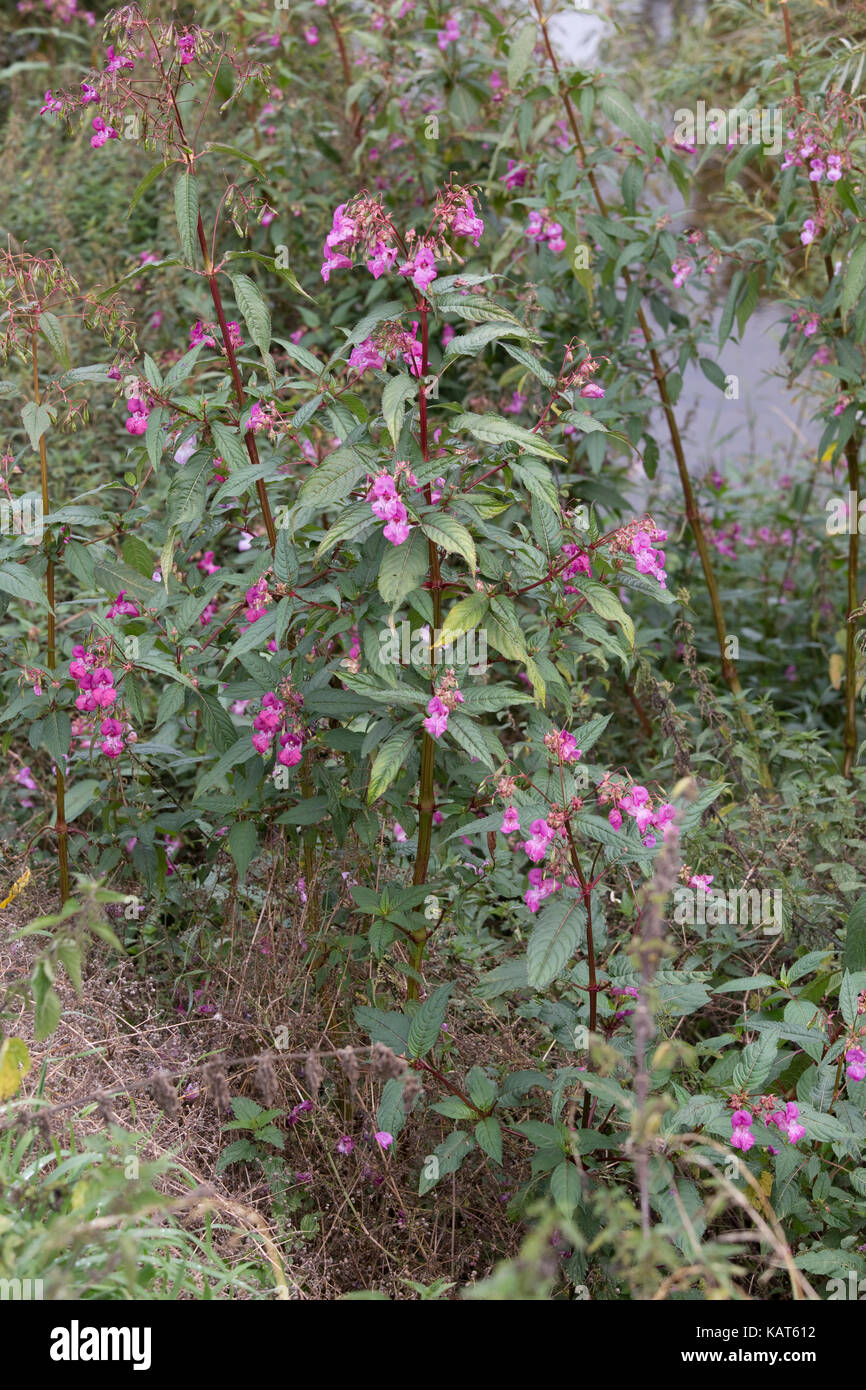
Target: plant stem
249 437
852 454
426 795
51 658
586 889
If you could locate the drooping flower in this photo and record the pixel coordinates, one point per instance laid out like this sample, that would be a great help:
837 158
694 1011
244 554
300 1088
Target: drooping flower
742 1136
855 1064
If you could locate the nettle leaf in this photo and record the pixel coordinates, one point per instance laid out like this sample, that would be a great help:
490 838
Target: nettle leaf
403 568
398 392
254 309
556 935
186 214
333 480
243 843
492 429
427 1024
450 535
388 762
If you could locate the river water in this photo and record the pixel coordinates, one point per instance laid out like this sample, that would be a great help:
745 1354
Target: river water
766 422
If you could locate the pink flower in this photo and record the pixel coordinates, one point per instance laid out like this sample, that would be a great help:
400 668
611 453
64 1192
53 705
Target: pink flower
742 1136
702 881
592 391
383 1138
422 268
381 259
450 34
206 563
855 1064
808 233
103 132
52 104
681 269
399 833
615 819
366 357
311 34
510 821
123 608
345 1145
437 721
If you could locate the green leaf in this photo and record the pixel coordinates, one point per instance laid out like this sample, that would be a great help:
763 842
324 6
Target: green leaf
849 993
604 602
619 109
565 1187
137 556
254 310
392 1029
149 179
470 344
756 1063
427 1024
217 722
388 762
14 1066
520 53
403 568
50 328
243 844
492 429
556 935
450 535
56 735
462 618
488 1132
46 1015
186 214
482 1091
17 581
333 480
855 937
855 280
37 419
394 397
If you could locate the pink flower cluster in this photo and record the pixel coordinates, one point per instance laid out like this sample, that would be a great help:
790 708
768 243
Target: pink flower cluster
136 421
786 1121
95 683
102 133
271 721
445 700
807 147
257 599
637 803
386 503
206 333
562 745
579 563
542 228
367 232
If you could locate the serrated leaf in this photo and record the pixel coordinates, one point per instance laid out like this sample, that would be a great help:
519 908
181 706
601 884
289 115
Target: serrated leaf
403 568
565 1187
492 429
243 843
254 309
388 762
452 536
186 214
333 480
488 1132
426 1026
556 935
397 392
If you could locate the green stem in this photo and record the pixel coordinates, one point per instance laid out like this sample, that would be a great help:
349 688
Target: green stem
51 658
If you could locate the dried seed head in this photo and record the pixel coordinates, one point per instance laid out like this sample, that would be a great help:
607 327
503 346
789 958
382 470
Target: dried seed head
266 1079
349 1063
104 1110
164 1093
411 1090
385 1063
314 1072
215 1078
